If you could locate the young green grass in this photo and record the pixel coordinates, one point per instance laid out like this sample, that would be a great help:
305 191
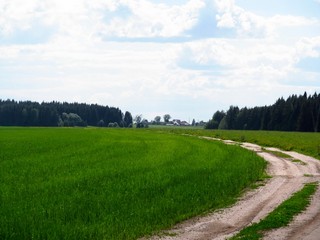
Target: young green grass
278 154
281 216
298 161
88 183
306 143
286 156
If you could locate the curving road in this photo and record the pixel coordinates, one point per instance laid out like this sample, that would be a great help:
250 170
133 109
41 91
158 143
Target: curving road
288 177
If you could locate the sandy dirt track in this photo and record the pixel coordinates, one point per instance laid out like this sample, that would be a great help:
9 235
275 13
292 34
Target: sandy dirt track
288 176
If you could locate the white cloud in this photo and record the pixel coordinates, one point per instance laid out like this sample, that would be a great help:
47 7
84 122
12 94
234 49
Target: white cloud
87 19
290 21
308 47
249 65
16 14
7 53
155 20
245 22
78 63
226 20
240 53
88 70
248 24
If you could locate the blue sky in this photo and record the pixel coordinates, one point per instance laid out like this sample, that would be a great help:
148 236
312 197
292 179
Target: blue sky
186 58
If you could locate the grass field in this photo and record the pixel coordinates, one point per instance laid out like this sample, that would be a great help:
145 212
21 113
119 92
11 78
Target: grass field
88 183
307 143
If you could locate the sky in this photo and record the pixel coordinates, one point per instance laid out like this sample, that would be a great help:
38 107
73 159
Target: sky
183 58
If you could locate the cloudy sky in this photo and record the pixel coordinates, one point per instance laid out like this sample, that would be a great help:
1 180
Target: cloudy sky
186 58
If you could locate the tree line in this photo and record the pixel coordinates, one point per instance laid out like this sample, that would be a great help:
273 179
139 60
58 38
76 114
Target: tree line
28 113
297 113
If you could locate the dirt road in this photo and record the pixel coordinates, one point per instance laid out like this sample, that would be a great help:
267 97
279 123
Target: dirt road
288 176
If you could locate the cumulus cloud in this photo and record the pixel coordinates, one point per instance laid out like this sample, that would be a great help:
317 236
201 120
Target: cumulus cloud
239 53
154 20
96 18
249 65
86 59
16 14
248 24
232 16
309 47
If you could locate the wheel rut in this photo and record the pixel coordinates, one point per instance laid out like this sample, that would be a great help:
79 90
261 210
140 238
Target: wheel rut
288 177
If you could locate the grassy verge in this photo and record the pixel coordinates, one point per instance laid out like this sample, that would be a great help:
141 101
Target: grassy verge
306 143
281 216
87 183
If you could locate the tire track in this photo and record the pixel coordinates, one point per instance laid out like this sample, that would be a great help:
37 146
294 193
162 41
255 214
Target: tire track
288 177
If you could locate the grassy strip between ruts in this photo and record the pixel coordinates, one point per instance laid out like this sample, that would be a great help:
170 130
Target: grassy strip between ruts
278 154
281 216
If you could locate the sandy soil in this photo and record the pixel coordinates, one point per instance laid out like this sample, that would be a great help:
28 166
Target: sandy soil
287 177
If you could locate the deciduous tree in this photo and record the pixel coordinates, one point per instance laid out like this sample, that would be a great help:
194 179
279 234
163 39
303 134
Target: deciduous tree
166 118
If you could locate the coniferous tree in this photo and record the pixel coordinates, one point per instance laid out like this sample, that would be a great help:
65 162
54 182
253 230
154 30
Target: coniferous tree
297 113
27 113
128 121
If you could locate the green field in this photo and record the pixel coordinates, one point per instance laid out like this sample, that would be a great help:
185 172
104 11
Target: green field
89 183
307 143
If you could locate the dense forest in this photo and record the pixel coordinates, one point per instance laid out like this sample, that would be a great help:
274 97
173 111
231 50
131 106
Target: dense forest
297 113
27 113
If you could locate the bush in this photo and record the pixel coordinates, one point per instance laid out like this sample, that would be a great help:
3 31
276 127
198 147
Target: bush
101 123
72 120
113 125
212 124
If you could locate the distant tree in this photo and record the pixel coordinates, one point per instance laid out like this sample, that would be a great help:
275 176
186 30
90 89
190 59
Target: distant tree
218 116
27 113
201 123
242 119
211 124
24 117
72 120
193 122
305 123
48 115
223 123
60 122
127 119
166 118
143 124
101 123
138 119
231 117
34 117
296 113
315 111
157 120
